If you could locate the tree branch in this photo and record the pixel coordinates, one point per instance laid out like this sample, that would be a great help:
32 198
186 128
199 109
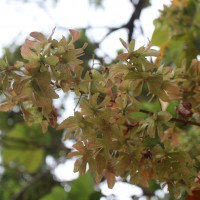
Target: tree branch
130 24
5 140
183 121
135 15
45 175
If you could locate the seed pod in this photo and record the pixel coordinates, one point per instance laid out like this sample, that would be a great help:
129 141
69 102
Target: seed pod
184 109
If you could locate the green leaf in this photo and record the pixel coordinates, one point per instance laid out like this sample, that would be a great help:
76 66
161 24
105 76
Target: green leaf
82 188
118 70
30 157
132 45
70 123
160 35
57 193
3 64
51 60
42 86
164 116
152 52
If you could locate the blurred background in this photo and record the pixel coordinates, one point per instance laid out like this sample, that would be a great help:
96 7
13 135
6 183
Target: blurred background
33 165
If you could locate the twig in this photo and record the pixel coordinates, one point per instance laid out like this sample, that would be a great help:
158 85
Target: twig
183 121
78 102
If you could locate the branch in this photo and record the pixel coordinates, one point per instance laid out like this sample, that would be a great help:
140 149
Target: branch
34 144
135 15
29 186
183 121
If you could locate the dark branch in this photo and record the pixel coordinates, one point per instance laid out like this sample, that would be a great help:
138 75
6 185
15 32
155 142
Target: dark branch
130 24
135 15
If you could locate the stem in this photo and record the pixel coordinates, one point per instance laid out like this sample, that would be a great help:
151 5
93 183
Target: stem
183 121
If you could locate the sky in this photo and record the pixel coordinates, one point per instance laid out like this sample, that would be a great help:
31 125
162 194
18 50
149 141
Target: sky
18 19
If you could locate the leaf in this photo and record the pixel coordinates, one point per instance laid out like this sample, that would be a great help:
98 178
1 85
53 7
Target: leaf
110 177
30 158
123 56
79 146
152 52
132 45
38 36
42 85
75 35
100 164
44 125
160 35
118 70
57 192
123 43
3 64
50 37
69 123
137 86
80 166
51 60
82 188
6 106
30 50
172 90
164 116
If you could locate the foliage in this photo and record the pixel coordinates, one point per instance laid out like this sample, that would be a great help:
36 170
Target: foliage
177 31
137 118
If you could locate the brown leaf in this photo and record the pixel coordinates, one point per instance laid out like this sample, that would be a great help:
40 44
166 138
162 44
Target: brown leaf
4 107
75 35
124 43
50 37
29 50
100 163
123 56
38 36
110 177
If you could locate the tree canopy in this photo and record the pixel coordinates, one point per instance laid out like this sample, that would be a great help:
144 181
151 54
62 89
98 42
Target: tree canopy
136 118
